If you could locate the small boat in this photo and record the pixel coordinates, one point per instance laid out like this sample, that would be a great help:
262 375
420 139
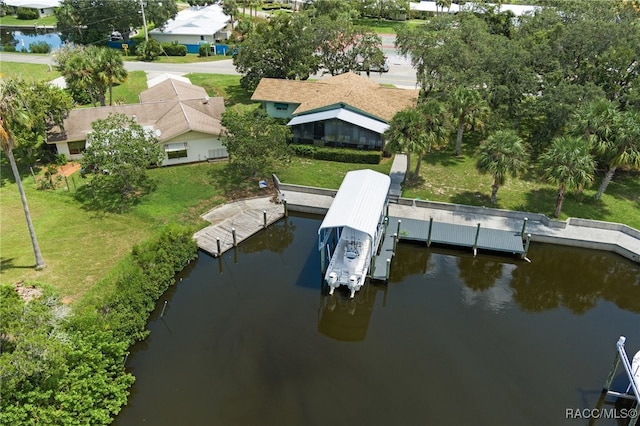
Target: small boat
350 261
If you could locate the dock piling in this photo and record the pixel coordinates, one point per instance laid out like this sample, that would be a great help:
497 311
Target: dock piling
218 246
286 211
526 246
475 243
264 218
524 227
429 233
395 243
233 234
163 308
388 268
398 230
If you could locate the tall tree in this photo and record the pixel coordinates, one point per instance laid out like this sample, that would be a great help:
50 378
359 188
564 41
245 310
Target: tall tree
615 136
569 164
91 21
467 107
279 48
230 8
436 127
13 113
110 69
254 141
343 47
119 151
406 135
501 154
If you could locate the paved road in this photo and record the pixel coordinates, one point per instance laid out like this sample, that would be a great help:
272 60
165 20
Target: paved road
400 72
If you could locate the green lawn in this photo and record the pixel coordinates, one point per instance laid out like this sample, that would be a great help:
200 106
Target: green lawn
384 26
12 21
444 177
27 71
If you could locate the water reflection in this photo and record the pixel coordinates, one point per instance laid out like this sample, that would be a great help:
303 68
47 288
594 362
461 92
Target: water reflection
21 38
575 279
347 319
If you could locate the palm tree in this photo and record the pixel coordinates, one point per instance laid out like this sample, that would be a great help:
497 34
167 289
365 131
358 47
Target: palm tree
405 134
501 154
13 112
110 68
615 136
435 123
467 107
569 164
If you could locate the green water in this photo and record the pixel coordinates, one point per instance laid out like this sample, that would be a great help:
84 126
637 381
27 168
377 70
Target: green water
251 339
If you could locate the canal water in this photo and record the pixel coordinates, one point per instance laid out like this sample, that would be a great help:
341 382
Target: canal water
21 38
251 339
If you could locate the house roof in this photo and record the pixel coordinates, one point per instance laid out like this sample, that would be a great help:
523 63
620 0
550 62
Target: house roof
195 20
343 115
33 4
159 79
359 202
350 89
179 112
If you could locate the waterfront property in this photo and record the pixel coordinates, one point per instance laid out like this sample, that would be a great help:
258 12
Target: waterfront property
43 7
346 110
352 229
185 120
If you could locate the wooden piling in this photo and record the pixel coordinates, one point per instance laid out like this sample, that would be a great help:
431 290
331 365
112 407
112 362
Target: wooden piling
395 243
475 243
264 218
398 230
218 246
163 308
388 268
286 211
233 234
526 246
429 233
524 227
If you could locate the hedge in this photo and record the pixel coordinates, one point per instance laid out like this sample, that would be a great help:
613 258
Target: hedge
174 49
342 155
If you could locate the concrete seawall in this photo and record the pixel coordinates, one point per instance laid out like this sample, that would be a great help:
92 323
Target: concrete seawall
593 234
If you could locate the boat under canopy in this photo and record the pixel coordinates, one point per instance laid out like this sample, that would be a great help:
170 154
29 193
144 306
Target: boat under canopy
352 228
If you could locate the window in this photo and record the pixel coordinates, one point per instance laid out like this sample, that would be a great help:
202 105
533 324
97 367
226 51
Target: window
76 147
176 150
280 106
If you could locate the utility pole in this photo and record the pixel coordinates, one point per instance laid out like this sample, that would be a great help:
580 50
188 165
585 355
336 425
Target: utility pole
144 22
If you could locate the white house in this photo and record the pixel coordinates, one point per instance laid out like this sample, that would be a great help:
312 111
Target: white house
44 7
184 119
195 26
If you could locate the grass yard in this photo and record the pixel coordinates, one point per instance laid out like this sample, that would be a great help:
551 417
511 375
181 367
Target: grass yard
129 91
27 71
227 86
387 27
444 177
12 21
81 245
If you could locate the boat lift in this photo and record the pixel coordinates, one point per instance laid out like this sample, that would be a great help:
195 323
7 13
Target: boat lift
633 373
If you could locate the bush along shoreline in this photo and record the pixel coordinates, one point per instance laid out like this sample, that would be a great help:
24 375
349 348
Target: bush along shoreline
64 368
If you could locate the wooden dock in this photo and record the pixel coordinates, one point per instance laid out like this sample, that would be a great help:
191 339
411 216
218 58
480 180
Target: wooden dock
217 239
474 237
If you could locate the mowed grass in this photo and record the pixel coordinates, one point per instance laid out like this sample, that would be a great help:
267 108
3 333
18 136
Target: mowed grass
82 245
27 71
446 178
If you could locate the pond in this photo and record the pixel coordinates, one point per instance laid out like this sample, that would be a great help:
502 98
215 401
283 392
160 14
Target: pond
21 38
251 339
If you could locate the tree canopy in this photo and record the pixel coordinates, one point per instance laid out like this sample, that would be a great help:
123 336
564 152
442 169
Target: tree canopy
119 151
90 21
254 141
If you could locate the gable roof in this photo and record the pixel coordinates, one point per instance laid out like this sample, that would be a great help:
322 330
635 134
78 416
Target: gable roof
170 107
348 88
196 20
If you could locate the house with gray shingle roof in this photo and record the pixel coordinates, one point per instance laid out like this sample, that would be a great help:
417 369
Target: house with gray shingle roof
185 120
346 110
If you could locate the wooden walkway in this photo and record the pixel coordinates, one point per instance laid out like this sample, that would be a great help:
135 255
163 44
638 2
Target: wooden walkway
476 238
217 239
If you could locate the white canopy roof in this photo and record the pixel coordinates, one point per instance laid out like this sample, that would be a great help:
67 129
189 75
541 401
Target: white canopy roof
359 202
343 115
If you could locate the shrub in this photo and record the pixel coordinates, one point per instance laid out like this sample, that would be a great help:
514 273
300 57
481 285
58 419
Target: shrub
27 13
149 50
174 49
152 271
204 50
40 47
342 155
